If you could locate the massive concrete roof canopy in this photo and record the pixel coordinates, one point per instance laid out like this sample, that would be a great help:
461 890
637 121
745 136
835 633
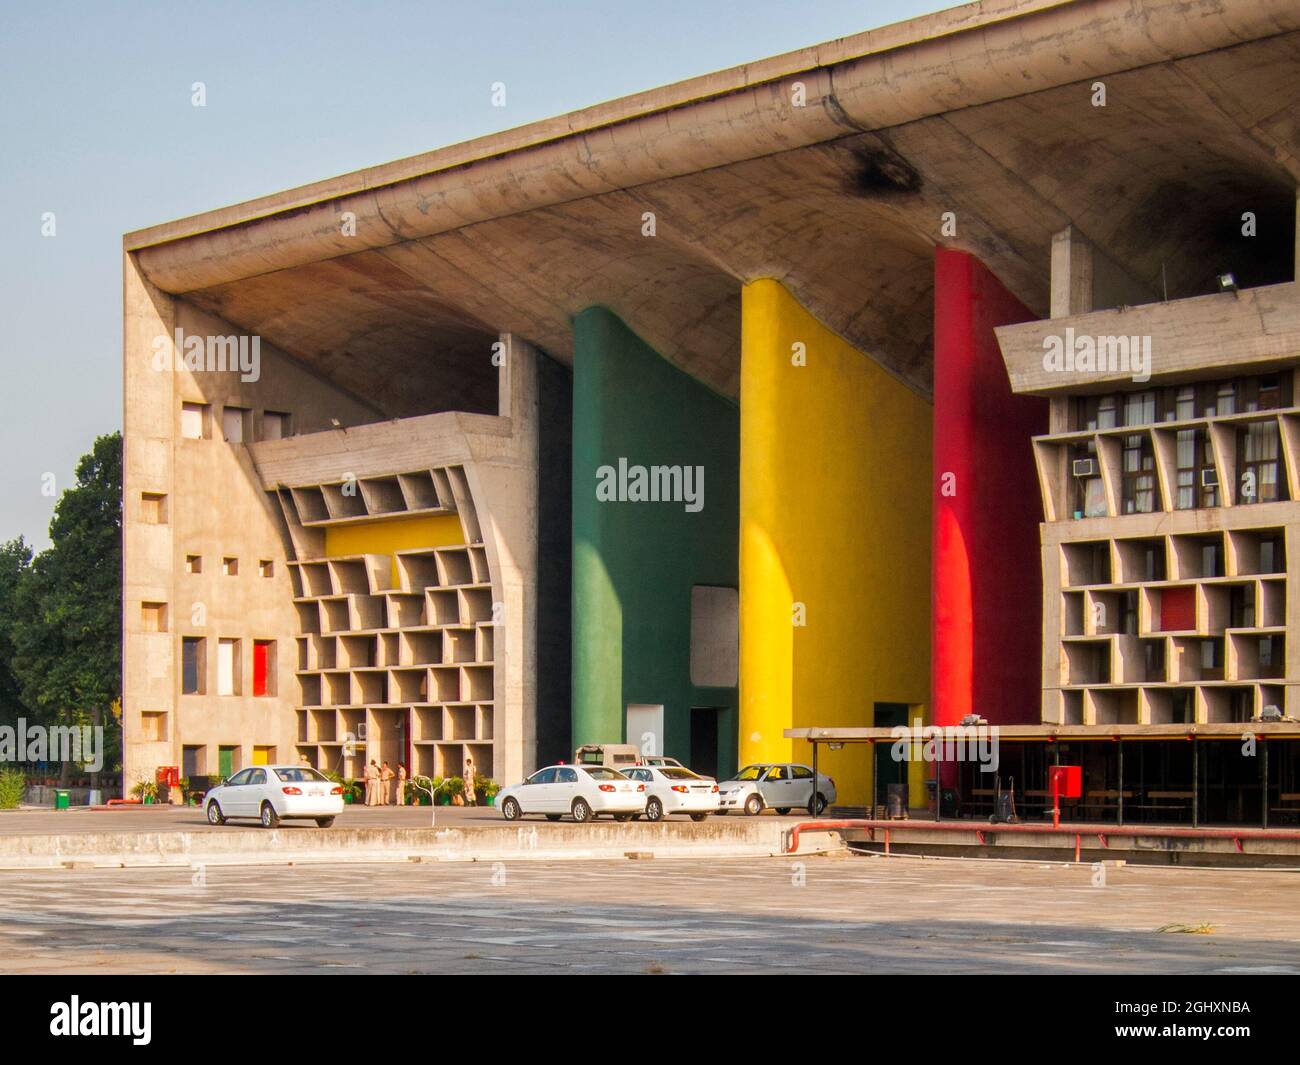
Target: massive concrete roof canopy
986 111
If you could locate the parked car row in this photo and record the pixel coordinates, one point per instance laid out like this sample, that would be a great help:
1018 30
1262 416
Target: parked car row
656 788
653 788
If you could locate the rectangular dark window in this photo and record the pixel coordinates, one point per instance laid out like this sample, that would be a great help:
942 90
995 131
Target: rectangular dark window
1139 475
193 666
1260 475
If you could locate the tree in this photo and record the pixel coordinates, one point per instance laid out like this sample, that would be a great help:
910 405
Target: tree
66 628
15 563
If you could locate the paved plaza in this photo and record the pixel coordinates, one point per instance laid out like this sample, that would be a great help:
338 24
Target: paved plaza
845 914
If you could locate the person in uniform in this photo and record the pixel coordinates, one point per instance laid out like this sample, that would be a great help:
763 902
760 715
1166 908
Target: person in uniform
401 784
386 775
470 798
372 784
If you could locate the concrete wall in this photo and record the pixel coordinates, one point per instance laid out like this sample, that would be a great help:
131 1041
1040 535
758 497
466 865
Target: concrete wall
214 507
635 563
987 599
835 538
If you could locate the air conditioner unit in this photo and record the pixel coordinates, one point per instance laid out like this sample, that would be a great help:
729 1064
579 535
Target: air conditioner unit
1270 713
361 731
1210 478
1084 467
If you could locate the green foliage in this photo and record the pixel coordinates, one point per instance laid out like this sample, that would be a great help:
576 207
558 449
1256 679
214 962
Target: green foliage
61 611
145 789
15 562
12 787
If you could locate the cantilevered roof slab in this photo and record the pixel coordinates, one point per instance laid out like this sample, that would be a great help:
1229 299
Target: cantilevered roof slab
985 112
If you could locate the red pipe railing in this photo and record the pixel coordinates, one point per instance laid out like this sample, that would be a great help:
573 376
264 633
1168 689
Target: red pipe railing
1239 836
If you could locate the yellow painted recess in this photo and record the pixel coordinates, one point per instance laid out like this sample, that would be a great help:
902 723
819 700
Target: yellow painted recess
835 474
386 536
262 755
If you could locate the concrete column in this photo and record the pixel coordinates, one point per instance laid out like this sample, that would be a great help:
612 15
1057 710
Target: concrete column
149 413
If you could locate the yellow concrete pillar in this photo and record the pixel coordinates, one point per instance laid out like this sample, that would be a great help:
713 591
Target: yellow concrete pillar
835 457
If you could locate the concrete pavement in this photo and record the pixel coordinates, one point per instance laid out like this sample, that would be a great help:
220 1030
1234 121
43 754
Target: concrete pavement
849 914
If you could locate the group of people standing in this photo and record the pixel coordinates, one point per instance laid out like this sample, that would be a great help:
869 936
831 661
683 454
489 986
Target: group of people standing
379 785
380 781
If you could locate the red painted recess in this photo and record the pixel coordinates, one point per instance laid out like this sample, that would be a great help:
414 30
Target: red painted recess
1177 609
987 586
260 649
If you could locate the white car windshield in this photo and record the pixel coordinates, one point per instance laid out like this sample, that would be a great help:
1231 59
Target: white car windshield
674 772
295 775
750 772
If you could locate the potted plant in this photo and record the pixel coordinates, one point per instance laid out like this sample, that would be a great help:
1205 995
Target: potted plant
146 791
488 789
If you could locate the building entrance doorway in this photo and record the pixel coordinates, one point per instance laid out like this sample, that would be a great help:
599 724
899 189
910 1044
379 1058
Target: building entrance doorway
888 770
704 739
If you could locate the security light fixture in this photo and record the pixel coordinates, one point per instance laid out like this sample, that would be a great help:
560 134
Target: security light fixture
1227 283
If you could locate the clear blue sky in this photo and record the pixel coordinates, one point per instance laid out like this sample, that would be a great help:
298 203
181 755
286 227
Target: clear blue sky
96 125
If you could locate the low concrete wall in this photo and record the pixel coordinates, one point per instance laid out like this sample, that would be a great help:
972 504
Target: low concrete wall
43 795
526 841
959 841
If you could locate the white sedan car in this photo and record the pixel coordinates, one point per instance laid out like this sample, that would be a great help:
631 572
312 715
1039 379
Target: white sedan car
673 789
275 793
782 786
585 791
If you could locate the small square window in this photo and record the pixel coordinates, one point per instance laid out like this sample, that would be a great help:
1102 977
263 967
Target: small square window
275 425
194 420
230 567
153 617
193 563
153 508
153 726
266 568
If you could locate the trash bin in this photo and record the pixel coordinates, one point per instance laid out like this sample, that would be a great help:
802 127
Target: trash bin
62 798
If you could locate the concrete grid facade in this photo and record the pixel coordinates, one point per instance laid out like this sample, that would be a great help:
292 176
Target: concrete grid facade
389 542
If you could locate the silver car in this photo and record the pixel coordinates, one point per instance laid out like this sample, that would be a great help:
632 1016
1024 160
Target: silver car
781 786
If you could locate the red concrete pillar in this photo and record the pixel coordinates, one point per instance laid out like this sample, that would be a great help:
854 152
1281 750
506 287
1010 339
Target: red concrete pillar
987 590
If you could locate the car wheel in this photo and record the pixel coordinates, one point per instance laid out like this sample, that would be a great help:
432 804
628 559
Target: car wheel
783 810
552 817
698 817
270 819
754 805
654 810
581 811
510 810
215 816
817 804
324 822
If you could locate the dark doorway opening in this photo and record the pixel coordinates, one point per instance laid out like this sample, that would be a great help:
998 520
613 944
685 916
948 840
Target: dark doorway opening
704 739
888 769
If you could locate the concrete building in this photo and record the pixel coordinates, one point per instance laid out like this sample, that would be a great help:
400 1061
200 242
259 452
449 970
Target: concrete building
685 420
